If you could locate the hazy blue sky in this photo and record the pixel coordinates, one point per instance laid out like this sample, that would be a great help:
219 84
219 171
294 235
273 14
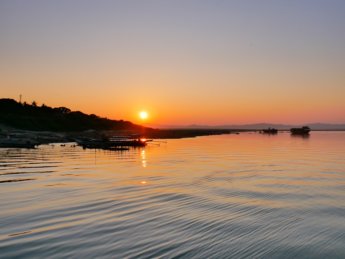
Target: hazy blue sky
209 62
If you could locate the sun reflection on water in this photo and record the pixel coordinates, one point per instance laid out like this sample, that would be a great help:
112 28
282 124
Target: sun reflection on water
143 158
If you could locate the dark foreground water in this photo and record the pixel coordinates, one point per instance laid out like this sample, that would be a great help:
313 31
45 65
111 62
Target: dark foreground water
232 196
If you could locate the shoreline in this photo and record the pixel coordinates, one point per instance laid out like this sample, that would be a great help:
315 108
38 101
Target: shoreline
18 138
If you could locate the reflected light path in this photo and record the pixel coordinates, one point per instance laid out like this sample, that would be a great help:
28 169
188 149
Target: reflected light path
143 158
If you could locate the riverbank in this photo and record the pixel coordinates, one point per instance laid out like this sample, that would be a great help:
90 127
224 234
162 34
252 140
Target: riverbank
16 138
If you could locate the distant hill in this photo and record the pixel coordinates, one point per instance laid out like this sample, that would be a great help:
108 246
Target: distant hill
40 118
260 126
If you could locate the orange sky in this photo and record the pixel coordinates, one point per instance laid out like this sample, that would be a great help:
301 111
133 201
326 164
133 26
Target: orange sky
185 63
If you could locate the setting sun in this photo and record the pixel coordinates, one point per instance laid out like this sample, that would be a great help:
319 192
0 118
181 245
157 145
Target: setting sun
143 115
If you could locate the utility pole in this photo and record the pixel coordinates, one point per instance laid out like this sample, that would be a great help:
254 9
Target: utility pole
20 98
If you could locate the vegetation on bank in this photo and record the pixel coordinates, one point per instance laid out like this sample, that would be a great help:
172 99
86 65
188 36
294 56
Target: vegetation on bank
31 117
44 118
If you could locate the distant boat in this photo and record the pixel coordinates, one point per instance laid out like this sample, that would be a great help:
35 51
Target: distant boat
270 131
300 131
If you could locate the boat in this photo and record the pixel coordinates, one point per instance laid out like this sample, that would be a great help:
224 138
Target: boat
300 131
270 131
113 143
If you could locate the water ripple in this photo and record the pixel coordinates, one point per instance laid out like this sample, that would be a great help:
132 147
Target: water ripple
236 196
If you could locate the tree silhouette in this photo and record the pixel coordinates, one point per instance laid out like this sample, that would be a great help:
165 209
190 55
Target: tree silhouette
32 117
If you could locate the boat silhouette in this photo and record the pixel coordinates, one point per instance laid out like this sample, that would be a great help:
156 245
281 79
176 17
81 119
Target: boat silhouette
300 131
270 131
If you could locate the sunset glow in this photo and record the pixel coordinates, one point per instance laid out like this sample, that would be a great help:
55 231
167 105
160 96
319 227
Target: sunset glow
172 129
193 62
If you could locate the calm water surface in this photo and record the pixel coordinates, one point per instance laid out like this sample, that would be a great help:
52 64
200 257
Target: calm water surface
231 196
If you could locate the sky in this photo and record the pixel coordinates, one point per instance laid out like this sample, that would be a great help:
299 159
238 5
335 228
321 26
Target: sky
185 62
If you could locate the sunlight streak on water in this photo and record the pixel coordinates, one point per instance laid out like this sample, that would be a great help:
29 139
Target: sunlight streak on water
246 195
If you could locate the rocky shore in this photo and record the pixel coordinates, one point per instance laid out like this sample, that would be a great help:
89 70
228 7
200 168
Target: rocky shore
14 138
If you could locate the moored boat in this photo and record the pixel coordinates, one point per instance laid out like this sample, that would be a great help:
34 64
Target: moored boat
113 143
270 131
300 131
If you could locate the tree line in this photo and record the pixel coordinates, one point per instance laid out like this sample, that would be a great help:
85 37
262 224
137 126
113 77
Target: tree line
33 117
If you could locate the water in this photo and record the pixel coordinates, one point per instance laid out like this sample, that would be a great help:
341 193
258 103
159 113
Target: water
231 196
